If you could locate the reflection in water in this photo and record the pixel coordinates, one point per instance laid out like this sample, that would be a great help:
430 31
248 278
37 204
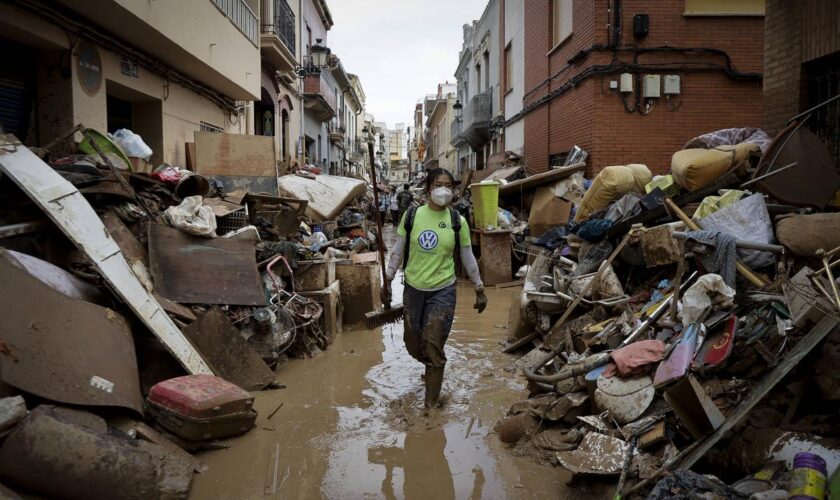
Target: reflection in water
425 469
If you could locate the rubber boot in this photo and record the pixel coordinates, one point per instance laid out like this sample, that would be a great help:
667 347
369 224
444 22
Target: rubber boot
434 381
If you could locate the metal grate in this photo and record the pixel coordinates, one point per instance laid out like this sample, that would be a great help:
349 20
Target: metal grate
284 24
241 16
209 127
823 84
232 221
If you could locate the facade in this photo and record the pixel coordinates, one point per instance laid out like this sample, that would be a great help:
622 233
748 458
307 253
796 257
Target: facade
320 90
278 112
64 64
441 115
342 128
477 132
512 67
357 149
397 144
417 149
802 67
697 68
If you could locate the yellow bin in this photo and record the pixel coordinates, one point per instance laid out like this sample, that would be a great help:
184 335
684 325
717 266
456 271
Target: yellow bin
485 200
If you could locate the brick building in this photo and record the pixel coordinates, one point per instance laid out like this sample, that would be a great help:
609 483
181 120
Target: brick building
577 50
802 66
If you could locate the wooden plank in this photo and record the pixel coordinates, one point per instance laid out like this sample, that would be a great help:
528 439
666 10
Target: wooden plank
69 210
495 263
535 181
234 154
802 348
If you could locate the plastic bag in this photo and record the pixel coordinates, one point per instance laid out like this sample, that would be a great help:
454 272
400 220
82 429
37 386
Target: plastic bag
506 219
132 144
192 217
747 220
709 292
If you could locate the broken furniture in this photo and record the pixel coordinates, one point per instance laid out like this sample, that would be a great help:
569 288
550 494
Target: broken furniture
494 262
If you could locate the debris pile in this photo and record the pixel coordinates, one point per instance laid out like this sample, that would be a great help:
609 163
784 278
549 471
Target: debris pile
140 307
689 320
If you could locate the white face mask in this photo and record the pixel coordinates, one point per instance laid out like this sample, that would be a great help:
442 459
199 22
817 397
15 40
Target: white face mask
441 196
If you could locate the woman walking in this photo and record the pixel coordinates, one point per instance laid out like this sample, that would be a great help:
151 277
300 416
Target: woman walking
428 238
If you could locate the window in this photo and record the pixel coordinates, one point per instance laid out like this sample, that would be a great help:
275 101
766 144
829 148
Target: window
478 78
561 20
486 70
724 7
508 69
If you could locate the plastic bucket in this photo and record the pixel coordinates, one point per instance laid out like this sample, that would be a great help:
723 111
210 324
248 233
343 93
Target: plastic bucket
485 199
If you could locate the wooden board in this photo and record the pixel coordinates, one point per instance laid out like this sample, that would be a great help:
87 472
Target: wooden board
535 181
234 154
194 270
69 210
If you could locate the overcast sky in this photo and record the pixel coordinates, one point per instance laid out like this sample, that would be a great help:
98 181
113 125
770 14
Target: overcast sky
401 49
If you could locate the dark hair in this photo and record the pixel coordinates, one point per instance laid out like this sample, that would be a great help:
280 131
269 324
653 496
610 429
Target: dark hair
405 186
434 174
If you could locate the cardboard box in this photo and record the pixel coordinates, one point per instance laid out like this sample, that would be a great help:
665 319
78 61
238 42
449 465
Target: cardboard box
313 275
140 166
548 211
694 407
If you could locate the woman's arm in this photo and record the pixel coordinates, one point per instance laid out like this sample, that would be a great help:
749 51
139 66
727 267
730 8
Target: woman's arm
396 258
471 266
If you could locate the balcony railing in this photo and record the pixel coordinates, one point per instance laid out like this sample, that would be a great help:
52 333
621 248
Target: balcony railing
238 12
479 110
317 88
284 24
456 133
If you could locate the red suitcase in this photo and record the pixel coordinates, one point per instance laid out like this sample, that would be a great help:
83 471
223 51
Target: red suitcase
199 407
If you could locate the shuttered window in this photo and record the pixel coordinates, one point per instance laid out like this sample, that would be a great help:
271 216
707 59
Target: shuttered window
724 7
561 20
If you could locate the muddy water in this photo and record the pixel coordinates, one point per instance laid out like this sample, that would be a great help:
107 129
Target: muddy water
352 423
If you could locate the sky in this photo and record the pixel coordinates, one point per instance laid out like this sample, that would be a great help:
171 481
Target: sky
401 49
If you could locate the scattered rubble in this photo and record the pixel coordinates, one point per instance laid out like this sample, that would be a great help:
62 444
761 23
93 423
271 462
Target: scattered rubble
713 304
153 301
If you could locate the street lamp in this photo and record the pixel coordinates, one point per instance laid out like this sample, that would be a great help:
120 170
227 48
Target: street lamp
320 54
459 109
320 58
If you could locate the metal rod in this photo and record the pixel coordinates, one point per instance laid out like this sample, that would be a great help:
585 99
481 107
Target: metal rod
21 228
742 268
747 245
769 174
811 110
381 246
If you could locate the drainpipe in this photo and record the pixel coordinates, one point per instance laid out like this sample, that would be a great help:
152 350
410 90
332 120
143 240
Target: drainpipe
302 135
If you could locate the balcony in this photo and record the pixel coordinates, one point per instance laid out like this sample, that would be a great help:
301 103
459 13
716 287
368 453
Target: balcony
337 134
457 135
320 97
476 119
277 39
241 16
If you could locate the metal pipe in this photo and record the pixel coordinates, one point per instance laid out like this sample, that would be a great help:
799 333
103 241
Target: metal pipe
740 266
769 174
747 245
811 110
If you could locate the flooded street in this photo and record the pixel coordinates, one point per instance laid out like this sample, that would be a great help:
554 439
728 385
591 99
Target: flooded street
352 423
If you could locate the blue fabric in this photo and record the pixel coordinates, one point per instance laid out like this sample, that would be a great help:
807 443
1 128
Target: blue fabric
594 230
553 238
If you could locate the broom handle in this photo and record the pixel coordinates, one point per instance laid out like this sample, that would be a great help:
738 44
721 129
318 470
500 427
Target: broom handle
381 245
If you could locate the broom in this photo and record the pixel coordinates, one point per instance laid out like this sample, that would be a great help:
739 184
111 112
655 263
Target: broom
387 314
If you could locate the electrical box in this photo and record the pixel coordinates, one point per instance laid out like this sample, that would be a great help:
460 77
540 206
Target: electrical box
672 84
626 83
650 86
613 84
641 23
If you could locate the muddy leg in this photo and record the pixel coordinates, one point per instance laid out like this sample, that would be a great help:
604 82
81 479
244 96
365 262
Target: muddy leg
437 322
414 302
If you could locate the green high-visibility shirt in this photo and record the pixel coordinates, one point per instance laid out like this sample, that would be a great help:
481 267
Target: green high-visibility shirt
431 251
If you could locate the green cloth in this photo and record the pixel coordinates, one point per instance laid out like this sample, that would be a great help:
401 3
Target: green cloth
431 251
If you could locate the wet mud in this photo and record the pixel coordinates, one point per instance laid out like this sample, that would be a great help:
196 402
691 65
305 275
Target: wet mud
352 423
